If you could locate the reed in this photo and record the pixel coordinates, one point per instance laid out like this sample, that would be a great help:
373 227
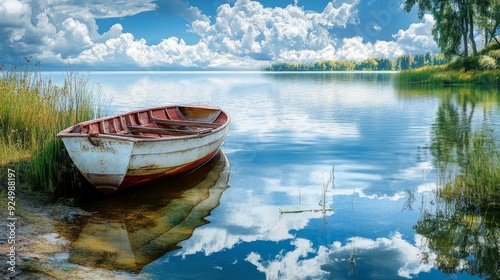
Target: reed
32 111
442 75
324 189
419 76
477 184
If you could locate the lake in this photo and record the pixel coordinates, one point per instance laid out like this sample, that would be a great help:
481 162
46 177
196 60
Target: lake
322 176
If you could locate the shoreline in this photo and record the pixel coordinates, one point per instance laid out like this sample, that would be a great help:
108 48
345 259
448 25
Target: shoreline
40 250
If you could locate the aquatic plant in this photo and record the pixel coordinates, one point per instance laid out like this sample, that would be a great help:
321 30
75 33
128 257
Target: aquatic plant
477 184
460 221
324 189
32 111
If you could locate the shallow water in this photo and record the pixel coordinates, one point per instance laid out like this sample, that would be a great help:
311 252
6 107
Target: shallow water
291 133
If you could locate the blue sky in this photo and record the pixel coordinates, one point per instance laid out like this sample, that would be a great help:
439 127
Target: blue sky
219 34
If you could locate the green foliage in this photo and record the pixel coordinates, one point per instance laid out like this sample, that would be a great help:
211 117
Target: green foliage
419 61
403 62
465 64
457 23
487 63
475 155
386 64
441 75
460 220
483 69
477 186
33 110
491 48
369 64
331 65
487 59
495 54
422 75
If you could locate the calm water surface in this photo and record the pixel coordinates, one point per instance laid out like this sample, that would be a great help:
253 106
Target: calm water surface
289 133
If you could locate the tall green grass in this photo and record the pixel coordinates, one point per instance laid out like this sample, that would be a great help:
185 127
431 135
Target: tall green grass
420 75
32 111
442 75
482 69
477 183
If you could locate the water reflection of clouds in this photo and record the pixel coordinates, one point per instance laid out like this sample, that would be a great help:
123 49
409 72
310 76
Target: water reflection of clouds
258 109
354 178
252 214
297 128
420 171
147 92
381 258
261 224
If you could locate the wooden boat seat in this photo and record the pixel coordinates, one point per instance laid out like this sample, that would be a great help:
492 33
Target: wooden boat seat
186 123
166 131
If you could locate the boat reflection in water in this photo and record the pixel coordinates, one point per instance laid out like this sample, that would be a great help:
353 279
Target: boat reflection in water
130 231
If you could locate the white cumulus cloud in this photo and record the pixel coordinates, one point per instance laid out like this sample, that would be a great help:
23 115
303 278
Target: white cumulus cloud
241 35
418 36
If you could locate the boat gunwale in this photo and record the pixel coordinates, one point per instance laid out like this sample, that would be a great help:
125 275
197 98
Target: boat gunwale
66 133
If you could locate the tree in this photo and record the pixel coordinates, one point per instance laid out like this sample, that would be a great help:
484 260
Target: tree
418 61
319 66
429 59
489 20
386 64
404 62
455 22
440 59
367 64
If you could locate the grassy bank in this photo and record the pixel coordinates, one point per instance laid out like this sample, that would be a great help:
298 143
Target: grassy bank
483 69
32 111
443 75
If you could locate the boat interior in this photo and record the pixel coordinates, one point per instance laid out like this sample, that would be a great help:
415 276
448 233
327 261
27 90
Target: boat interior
156 123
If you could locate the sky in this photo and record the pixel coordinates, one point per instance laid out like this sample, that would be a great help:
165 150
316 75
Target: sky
206 35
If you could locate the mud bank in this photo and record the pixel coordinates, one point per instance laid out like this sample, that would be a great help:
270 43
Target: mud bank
32 245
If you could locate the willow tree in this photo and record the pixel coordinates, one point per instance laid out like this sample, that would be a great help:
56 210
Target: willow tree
489 21
455 22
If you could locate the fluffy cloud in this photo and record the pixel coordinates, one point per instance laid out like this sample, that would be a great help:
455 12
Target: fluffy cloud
57 30
97 9
13 13
248 29
417 36
414 40
245 34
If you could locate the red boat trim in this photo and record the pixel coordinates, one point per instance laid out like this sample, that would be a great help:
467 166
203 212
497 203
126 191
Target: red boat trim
108 184
133 180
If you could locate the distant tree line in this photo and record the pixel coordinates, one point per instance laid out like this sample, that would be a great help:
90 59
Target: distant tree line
403 62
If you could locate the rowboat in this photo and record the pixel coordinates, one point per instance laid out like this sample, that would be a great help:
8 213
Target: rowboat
128 149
